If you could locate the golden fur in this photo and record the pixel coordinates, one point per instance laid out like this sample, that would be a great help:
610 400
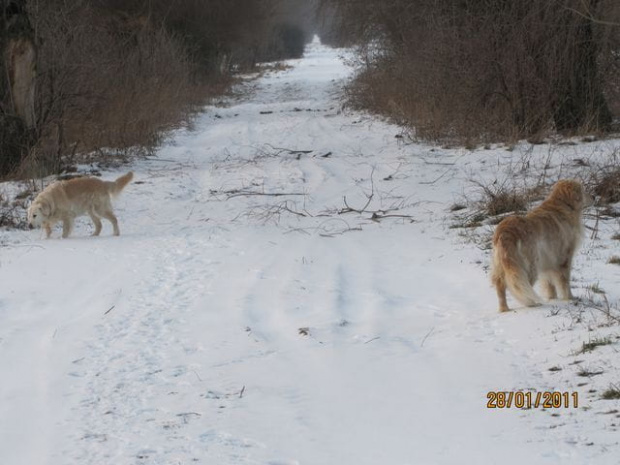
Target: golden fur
541 245
66 200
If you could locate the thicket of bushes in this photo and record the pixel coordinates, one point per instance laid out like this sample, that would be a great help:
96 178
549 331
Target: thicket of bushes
478 70
116 74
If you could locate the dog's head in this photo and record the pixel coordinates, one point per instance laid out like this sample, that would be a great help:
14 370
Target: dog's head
572 193
38 212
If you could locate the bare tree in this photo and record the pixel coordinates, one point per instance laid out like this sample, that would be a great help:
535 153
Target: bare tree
480 69
77 76
17 83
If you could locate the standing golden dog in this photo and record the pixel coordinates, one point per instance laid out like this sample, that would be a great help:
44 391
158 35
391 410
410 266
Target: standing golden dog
539 244
66 200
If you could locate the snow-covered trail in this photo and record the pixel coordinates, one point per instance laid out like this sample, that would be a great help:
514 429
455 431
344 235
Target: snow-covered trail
226 326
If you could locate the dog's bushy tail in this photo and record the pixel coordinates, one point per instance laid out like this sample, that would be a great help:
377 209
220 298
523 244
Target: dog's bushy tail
117 186
510 269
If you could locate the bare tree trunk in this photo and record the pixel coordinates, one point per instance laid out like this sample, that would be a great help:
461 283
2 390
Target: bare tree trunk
581 102
17 83
20 59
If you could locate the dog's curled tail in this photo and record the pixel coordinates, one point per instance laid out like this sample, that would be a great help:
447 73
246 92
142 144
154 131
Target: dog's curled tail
510 270
117 186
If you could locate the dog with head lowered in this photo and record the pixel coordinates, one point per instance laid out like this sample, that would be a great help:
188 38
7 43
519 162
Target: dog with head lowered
541 245
66 200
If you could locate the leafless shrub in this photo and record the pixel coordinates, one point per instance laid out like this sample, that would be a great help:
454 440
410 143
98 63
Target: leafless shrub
116 75
602 179
273 213
500 198
11 214
503 200
594 343
104 80
611 393
483 70
607 186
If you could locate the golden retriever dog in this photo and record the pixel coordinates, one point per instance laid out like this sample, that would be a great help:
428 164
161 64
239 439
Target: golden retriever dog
541 245
66 200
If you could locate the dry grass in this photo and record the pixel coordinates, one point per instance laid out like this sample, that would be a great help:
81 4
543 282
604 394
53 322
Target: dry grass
496 202
588 373
116 76
501 198
593 344
606 185
465 73
612 393
505 201
12 214
596 289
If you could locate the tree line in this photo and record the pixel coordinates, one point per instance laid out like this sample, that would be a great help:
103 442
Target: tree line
476 70
78 76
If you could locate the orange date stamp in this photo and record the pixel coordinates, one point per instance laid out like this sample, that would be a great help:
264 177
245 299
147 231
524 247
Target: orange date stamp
529 399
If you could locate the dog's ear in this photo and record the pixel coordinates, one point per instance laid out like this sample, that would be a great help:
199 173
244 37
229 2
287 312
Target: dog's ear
46 208
577 192
570 192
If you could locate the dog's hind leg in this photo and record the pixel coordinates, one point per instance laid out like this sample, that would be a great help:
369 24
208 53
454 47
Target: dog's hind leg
549 287
96 222
500 287
561 283
501 295
109 215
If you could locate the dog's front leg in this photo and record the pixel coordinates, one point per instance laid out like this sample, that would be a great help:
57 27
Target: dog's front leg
565 283
67 226
97 223
48 230
564 276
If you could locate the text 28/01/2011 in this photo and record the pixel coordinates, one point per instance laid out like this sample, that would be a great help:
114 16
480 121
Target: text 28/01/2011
521 399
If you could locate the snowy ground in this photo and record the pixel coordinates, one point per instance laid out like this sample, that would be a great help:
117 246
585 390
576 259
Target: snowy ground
249 315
